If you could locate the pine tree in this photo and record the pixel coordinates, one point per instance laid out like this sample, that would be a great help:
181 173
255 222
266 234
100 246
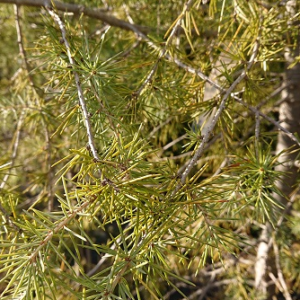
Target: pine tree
149 149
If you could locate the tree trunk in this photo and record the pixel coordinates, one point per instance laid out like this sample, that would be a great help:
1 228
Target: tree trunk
289 118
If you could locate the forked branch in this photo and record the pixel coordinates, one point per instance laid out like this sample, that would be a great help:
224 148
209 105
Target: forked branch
216 117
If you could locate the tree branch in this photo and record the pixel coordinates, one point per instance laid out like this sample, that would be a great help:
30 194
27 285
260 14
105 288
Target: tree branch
58 227
216 117
164 50
78 85
12 163
20 43
281 279
98 14
235 97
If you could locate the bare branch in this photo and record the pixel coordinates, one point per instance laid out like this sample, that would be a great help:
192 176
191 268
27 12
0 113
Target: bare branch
257 132
256 111
20 43
175 141
12 163
279 272
81 9
48 149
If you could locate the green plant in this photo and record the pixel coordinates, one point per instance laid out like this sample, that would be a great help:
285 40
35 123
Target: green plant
123 176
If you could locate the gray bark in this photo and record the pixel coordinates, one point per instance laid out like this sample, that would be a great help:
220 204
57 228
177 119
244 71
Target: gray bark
289 117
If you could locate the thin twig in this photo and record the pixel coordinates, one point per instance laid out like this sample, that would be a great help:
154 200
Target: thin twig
97 267
214 285
164 50
20 43
222 165
273 94
174 142
12 163
160 126
276 281
207 146
174 157
257 130
78 85
216 117
279 272
256 111
49 169
98 14
102 260
58 227
235 97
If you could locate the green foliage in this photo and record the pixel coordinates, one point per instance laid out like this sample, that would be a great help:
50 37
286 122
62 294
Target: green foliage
128 223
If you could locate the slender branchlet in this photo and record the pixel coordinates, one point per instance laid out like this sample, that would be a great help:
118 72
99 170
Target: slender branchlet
58 227
117 279
255 111
48 148
257 134
284 287
81 97
20 43
216 117
12 163
163 51
99 14
235 97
